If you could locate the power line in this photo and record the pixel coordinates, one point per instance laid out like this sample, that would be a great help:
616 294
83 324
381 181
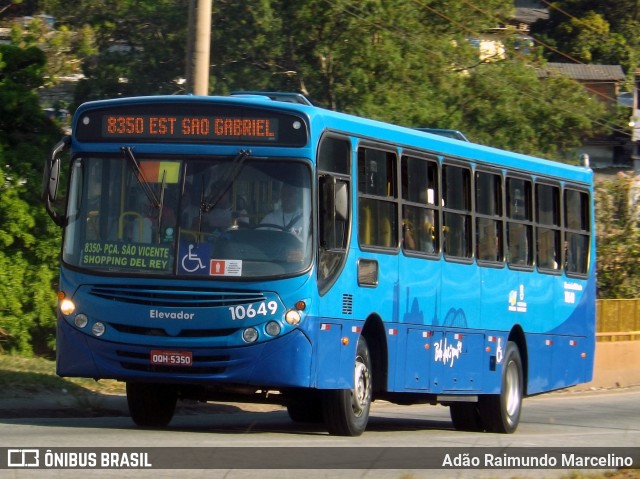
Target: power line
543 44
573 17
354 13
609 125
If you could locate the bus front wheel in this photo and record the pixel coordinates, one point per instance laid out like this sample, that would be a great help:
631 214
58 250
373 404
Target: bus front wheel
305 406
466 417
346 411
501 412
151 405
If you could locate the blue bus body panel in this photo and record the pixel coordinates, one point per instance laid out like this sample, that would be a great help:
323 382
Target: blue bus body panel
446 323
210 335
285 362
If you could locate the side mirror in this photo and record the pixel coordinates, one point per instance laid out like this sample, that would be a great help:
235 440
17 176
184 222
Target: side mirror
341 201
334 211
51 190
51 179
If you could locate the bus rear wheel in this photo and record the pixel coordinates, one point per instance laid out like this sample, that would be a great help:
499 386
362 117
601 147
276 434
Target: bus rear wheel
346 411
151 405
501 412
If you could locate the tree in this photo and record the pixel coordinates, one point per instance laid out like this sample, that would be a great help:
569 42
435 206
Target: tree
508 106
618 237
371 58
591 31
131 47
404 61
29 244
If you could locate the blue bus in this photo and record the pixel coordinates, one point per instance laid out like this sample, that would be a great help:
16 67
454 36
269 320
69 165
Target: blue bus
246 247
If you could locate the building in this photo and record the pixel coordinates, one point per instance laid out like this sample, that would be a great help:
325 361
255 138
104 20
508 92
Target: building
603 81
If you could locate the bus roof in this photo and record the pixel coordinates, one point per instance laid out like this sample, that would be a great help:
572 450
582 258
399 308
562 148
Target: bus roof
322 120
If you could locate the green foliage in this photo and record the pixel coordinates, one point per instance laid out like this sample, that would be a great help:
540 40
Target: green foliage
28 243
592 32
15 225
129 47
404 62
507 106
401 61
369 58
618 234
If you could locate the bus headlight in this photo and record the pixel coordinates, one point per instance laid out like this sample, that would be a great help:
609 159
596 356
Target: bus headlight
98 329
250 335
67 307
81 320
292 317
272 328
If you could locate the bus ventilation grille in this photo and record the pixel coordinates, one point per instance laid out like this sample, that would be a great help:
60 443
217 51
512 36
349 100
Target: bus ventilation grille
176 296
347 303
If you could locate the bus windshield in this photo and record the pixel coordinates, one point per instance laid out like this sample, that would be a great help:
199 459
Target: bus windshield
229 217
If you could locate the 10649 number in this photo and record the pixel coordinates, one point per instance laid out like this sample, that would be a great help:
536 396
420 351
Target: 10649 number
252 310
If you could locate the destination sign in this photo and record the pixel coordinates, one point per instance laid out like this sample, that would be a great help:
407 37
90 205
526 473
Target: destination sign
168 122
190 127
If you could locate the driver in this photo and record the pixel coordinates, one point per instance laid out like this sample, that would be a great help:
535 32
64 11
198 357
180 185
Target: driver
288 216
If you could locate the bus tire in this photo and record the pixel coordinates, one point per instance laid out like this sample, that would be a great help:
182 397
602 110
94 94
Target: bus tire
501 412
151 405
346 411
465 416
305 407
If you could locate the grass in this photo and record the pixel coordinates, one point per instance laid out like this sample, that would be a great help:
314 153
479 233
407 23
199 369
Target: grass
24 377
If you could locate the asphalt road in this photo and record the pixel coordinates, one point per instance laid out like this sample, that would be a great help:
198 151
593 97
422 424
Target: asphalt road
602 419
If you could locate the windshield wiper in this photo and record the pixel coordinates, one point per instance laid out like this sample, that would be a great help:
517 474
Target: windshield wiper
207 204
161 203
156 203
236 166
140 178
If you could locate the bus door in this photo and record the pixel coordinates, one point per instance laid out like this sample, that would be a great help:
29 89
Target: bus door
419 266
378 237
459 352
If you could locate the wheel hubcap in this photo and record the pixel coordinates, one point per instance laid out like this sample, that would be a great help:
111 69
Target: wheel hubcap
361 387
512 389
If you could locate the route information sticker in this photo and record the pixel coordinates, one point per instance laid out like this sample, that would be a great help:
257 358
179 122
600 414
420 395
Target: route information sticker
118 255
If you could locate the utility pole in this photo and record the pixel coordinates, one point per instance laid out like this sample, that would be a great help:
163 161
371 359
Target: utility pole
191 33
199 46
635 123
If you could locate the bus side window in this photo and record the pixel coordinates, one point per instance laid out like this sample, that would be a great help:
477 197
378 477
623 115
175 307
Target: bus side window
548 227
577 231
456 187
377 198
519 224
377 224
420 216
489 223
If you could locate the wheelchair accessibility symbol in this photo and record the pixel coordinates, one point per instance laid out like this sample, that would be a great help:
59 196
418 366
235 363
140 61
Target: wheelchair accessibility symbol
195 258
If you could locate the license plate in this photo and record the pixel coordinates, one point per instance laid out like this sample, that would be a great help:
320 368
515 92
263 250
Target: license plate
171 358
